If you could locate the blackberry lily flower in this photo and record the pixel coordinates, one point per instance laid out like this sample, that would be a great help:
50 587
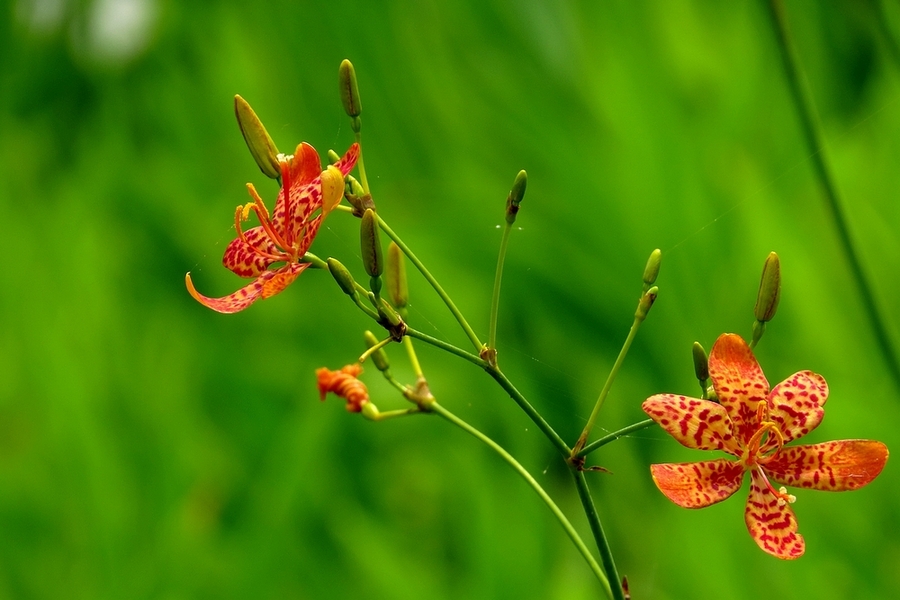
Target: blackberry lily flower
307 195
753 423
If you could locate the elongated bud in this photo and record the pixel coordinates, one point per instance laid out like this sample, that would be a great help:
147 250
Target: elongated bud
646 302
350 94
370 244
769 289
652 268
515 196
257 138
342 276
396 277
379 357
701 364
333 156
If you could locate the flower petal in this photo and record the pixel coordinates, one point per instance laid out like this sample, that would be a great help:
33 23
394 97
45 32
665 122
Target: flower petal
698 484
302 171
266 285
771 521
831 466
739 383
796 403
253 257
348 161
698 424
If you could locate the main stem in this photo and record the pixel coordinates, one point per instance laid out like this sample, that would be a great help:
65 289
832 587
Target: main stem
813 138
590 511
560 516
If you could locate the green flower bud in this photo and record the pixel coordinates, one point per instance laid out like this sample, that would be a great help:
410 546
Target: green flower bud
379 357
652 268
769 289
350 94
333 156
646 302
370 244
515 196
396 277
257 138
342 276
701 363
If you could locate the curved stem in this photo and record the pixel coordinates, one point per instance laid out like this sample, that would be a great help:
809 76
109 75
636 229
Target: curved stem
613 437
495 298
579 445
361 165
813 137
475 360
434 284
606 557
566 525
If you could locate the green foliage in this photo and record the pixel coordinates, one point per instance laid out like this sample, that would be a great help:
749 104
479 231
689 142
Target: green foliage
152 448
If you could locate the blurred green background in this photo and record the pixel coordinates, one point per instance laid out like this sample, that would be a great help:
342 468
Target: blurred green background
150 448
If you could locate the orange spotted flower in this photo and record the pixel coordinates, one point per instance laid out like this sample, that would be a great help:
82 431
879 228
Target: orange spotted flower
344 384
307 195
753 423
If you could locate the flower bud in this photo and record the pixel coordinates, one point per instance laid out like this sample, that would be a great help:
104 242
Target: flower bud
379 357
257 138
515 196
769 289
370 245
646 302
701 363
349 89
396 277
333 156
342 276
652 268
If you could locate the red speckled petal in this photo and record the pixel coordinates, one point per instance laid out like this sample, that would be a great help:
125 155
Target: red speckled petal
699 484
251 258
739 383
265 286
307 235
698 424
771 521
348 161
796 403
303 170
831 466
282 278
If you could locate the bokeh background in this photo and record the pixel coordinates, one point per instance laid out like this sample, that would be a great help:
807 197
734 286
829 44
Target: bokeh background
150 448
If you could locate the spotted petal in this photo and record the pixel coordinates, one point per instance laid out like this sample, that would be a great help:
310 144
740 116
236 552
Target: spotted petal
300 172
266 285
796 403
771 521
831 466
739 383
250 258
698 424
698 484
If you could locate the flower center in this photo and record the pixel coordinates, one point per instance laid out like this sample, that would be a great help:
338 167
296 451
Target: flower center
758 450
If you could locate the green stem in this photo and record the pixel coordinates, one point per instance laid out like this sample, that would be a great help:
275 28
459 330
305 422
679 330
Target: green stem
495 299
613 437
813 138
437 287
579 445
413 357
505 383
566 525
606 557
361 166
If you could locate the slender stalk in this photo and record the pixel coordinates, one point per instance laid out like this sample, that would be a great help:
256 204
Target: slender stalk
475 360
613 437
413 358
361 165
560 516
505 383
579 445
495 299
813 137
434 284
526 406
606 557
